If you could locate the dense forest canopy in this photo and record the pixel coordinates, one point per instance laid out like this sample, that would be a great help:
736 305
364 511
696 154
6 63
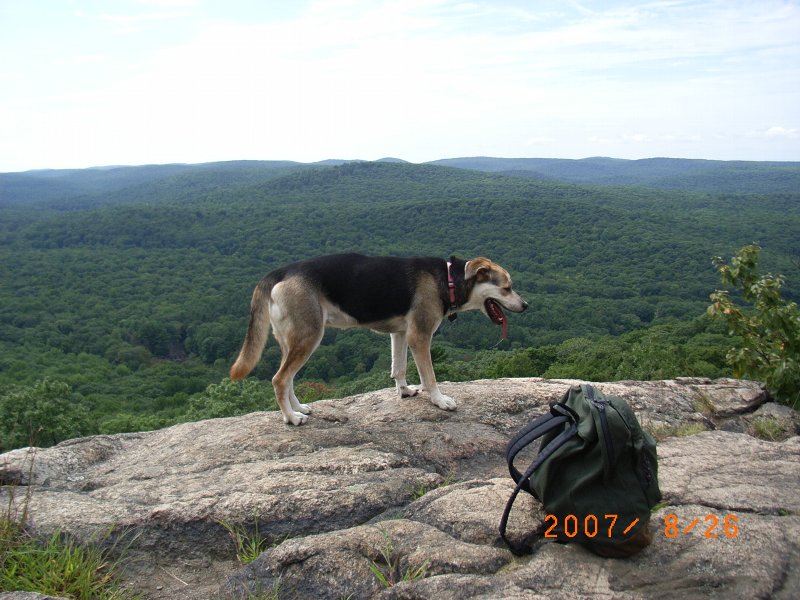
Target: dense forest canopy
131 285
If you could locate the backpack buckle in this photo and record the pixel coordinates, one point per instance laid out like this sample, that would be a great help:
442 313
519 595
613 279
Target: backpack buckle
559 409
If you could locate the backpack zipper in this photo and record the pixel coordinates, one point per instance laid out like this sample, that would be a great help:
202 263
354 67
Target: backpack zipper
600 405
647 468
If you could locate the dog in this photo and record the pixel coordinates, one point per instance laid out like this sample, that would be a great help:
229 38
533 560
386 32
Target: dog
406 297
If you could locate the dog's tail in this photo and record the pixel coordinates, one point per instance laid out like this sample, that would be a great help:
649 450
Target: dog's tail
257 332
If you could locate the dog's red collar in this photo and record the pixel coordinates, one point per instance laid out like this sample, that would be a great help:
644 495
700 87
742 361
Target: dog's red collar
451 286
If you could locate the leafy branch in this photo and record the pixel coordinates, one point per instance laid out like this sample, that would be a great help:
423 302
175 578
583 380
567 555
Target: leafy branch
769 328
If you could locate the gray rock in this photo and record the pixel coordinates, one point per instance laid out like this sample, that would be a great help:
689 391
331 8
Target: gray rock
371 472
341 564
772 422
27 596
731 471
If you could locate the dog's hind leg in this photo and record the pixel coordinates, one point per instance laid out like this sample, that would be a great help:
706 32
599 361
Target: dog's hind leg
297 322
296 350
400 364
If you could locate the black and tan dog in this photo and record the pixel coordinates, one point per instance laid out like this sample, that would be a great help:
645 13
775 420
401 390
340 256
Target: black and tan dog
405 297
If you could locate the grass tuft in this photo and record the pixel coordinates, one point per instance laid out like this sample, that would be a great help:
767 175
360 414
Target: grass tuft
249 544
57 566
769 428
662 432
389 574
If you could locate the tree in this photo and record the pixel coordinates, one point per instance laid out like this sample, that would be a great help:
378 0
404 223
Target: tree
769 330
230 398
42 415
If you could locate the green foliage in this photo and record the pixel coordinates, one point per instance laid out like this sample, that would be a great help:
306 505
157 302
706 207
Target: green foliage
662 352
60 567
46 413
694 348
125 422
310 391
132 286
769 329
231 398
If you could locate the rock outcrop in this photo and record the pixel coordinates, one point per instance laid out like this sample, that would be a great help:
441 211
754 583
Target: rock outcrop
374 490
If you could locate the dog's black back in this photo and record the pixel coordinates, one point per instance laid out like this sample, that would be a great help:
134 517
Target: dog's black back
369 289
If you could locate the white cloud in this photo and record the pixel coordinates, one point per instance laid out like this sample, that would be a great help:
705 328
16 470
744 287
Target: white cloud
536 140
782 132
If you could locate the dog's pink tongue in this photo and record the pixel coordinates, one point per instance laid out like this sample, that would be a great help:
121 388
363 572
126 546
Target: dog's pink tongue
496 315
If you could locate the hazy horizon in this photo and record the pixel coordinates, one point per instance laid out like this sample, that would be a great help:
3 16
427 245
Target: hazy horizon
383 158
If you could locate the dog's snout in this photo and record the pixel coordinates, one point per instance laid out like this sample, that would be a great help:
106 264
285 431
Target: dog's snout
524 305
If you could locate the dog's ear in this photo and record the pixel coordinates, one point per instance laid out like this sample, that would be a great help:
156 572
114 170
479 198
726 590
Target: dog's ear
480 268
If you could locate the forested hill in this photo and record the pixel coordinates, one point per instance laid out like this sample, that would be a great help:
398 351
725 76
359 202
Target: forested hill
87 187
131 285
712 176
82 188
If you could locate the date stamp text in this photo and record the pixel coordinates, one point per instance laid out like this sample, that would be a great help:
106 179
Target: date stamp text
709 526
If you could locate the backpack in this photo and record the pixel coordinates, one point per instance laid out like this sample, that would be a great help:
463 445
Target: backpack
596 474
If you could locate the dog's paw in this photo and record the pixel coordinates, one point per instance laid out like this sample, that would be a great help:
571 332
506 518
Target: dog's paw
408 391
443 402
295 418
302 408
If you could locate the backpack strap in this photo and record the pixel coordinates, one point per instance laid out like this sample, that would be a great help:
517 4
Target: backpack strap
558 415
540 425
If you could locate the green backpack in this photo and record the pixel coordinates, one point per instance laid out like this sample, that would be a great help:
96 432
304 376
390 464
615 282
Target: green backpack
596 474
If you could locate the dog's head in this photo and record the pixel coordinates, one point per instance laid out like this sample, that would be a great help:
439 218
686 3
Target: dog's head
490 289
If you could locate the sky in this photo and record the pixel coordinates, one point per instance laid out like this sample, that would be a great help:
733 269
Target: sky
129 82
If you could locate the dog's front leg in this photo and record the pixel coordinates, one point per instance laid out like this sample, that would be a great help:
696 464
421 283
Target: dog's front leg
400 364
420 344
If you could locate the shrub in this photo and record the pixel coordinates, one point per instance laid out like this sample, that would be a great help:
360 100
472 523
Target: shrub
769 329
